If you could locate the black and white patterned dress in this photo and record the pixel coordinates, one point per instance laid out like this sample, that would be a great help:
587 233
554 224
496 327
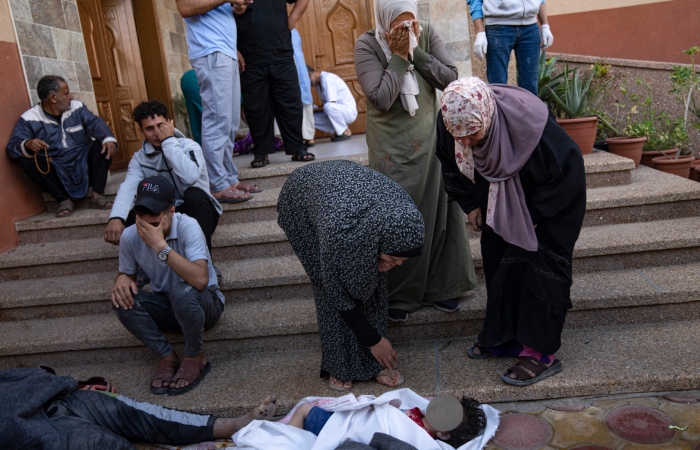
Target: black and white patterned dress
338 216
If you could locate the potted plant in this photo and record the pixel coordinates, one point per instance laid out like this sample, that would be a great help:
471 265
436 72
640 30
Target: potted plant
686 81
574 100
627 142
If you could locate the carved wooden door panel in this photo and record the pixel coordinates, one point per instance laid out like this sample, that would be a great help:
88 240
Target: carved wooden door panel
115 66
103 81
125 57
329 30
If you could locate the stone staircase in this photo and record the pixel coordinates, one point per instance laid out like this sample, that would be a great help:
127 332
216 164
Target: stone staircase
633 328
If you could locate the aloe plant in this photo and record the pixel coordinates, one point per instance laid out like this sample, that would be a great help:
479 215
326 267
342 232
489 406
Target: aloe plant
575 98
547 78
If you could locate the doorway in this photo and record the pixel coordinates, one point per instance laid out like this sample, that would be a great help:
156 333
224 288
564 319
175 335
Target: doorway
328 30
119 76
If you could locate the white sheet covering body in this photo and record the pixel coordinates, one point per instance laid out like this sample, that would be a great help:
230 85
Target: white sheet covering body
357 419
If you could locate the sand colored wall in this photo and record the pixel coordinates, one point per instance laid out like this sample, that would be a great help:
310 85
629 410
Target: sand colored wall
172 29
20 198
450 18
639 30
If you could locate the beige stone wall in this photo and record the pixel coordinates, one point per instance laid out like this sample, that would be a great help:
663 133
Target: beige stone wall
450 18
172 29
51 43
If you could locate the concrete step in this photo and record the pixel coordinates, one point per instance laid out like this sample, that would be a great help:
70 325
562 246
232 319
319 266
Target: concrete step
603 247
597 361
652 195
661 294
603 169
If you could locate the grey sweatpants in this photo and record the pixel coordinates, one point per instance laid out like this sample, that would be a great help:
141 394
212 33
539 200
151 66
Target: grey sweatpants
220 88
93 420
184 310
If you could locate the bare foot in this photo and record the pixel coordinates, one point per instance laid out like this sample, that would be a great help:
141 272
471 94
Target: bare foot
230 193
347 132
225 428
340 384
391 378
181 382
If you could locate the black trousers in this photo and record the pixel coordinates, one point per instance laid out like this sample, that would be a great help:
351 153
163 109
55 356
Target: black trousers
269 92
198 206
98 169
93 420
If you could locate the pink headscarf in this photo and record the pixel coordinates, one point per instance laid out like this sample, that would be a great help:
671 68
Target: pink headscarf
513 120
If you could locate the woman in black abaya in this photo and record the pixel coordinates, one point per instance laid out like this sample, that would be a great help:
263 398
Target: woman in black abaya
521 181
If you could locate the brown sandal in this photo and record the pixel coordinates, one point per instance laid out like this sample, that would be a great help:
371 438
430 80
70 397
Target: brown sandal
534 365
191 371
65 208
101 202
165 373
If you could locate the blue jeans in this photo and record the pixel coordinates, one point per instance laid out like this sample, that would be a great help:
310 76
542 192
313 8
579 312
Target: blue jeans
316 419
184 310
525 40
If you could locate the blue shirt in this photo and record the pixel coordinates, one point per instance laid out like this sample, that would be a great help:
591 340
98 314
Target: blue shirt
185 237
302 71
214 31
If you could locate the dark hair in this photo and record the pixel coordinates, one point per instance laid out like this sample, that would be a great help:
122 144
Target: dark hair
151 108
48 84
141 210
474 421
310 69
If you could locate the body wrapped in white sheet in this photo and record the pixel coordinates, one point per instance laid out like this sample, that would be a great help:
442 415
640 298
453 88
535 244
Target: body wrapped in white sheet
357 419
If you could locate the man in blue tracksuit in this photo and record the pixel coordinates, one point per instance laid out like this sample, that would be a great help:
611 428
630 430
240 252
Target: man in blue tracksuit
63 147
506 25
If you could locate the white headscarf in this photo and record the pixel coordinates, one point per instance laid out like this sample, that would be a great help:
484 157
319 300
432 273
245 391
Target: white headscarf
386 11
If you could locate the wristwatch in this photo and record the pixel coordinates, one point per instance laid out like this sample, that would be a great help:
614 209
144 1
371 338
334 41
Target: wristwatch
163 255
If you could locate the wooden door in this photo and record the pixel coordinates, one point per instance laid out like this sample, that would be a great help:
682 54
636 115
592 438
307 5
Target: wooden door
328 31
115 65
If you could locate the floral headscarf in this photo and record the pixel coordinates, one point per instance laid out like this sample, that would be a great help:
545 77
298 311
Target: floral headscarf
467 107
513 120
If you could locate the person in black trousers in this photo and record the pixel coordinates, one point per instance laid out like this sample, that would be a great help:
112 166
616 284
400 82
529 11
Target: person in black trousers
269 80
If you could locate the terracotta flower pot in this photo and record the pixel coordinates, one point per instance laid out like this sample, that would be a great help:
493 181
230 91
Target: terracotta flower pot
648 156
695 170
680 166
582 131
627 148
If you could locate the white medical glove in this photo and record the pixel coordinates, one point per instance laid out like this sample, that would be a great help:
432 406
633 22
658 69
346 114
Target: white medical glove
480 45
547 38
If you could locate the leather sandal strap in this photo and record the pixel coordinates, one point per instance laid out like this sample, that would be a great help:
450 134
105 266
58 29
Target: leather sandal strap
166 371
186 373
532 364
520 372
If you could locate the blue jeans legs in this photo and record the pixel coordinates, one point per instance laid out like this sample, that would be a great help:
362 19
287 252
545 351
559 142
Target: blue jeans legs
525 40
184 310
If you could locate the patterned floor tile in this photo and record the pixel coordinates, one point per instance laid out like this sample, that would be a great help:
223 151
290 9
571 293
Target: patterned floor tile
580 427
640 424
522 432
688 399
684 415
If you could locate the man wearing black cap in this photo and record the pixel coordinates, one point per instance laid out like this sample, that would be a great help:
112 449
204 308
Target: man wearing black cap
184 298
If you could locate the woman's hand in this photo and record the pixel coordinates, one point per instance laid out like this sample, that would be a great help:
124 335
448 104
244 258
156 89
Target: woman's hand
416 29
384 353
398 41
475 219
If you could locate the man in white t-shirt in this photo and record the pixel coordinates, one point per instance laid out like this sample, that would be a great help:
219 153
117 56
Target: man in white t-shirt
184 294
339 107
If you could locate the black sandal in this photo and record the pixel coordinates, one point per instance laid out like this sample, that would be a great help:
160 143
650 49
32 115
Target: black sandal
259 162
483 352
303 156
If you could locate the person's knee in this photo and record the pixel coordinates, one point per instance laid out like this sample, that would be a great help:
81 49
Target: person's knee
194 196
182 295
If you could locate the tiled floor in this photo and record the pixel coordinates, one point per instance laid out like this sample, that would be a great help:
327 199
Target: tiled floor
642 421
668 421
